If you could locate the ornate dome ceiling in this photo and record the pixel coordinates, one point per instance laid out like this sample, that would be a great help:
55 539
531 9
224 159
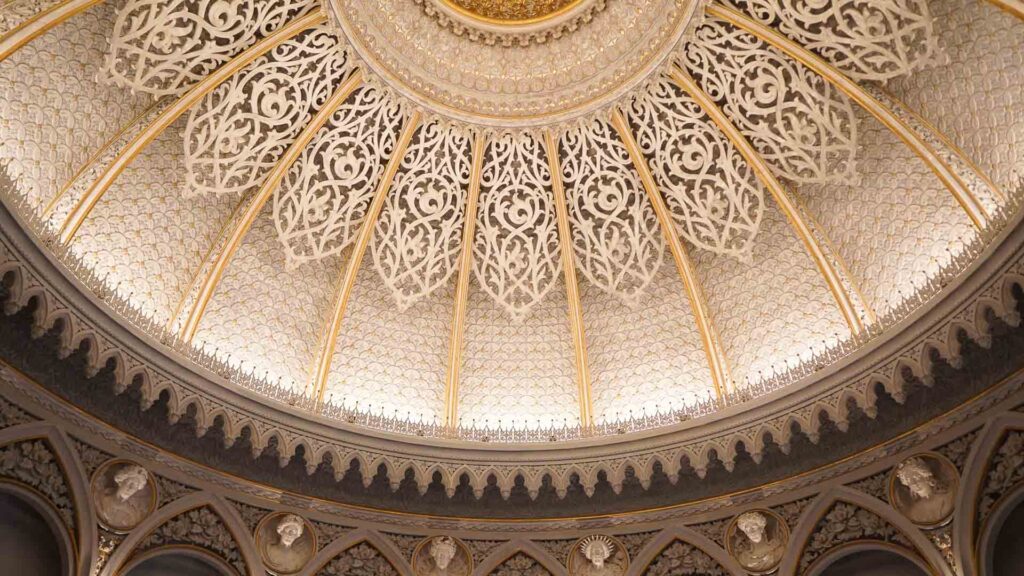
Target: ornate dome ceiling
560 218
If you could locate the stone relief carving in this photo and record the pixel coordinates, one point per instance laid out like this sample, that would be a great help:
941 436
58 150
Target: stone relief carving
328 532
924 489
11 415
877 485
757 540
520 564
958 450
287 542
844 523
124 494
169 490
683 559
90 457
442 556
1006 470
597 555
360 560
200 527
34 463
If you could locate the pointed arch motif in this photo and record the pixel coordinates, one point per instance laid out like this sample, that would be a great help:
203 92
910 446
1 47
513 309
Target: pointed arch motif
370 548
706 557
518 558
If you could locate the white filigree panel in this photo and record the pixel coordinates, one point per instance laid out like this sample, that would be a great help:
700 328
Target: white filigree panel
516 257
323 199
263 317
981 85
53 114
796 120
163 47
644 359
518 373
715 197
418 236
236 134
895 228
773 311
866 39
615 232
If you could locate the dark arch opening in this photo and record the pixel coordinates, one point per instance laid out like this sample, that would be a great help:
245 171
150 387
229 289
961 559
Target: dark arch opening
1007 557
873 563
176 563
28 543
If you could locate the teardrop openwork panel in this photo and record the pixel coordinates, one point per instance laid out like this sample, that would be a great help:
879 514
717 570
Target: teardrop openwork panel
236 134
419 233
714 196
516 257
614 229
874 40
796 120
324 197
163 47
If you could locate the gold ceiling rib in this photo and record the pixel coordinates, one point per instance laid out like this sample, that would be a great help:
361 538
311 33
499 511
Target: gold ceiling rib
451 383
572 287
1015 7
85 205
791 209
963 194
230 242
329 339
40 23
717 361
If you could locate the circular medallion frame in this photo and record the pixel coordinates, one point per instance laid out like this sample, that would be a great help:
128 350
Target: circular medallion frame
308 540
902 500
775 527
422 563
577 563
102 497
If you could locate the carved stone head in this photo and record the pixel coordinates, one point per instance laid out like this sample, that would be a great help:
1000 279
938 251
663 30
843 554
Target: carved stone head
290 529
752 524
917 477
597 549
443 550
130 480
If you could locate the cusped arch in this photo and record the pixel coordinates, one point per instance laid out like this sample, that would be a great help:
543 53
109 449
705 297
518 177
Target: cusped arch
362 535
509 549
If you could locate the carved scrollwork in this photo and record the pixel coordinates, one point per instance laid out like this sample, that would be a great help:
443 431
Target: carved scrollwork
1005 471
845 522
419 233
236 134
163 47
521 564
797 121
359 560
681 558
200 527
516 257
715 197
874 40
614 229
33 462
324 197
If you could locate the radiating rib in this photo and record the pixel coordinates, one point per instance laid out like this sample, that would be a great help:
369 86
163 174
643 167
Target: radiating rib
85 205
572 287
1015 7
720 374
329 339
970 203
40 23
451 383
833 279
218 259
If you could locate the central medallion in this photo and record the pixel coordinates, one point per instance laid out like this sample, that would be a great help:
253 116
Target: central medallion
446 69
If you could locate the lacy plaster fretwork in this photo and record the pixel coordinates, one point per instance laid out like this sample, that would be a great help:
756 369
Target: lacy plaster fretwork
360 560
11 415
200 527
874 40
33 462
683 559
17 12
236 134
800 124
1006 470
165 47
846 522
490 35
520 564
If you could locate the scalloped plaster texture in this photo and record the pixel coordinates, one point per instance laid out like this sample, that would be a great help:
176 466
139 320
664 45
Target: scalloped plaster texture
53 113
644 358
897 226
269 317
771 310
391 359
145 235
977 98
527 365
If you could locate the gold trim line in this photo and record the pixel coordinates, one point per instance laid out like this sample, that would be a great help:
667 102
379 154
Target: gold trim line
572 288
1015 7
451 384
329 339
255 206
40 23
717 361
85 205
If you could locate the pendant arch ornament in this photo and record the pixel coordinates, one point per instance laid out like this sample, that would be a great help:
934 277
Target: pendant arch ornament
419 233
714 196
615 234
326 194
799 123
516 257
869 41
235 135
165 47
